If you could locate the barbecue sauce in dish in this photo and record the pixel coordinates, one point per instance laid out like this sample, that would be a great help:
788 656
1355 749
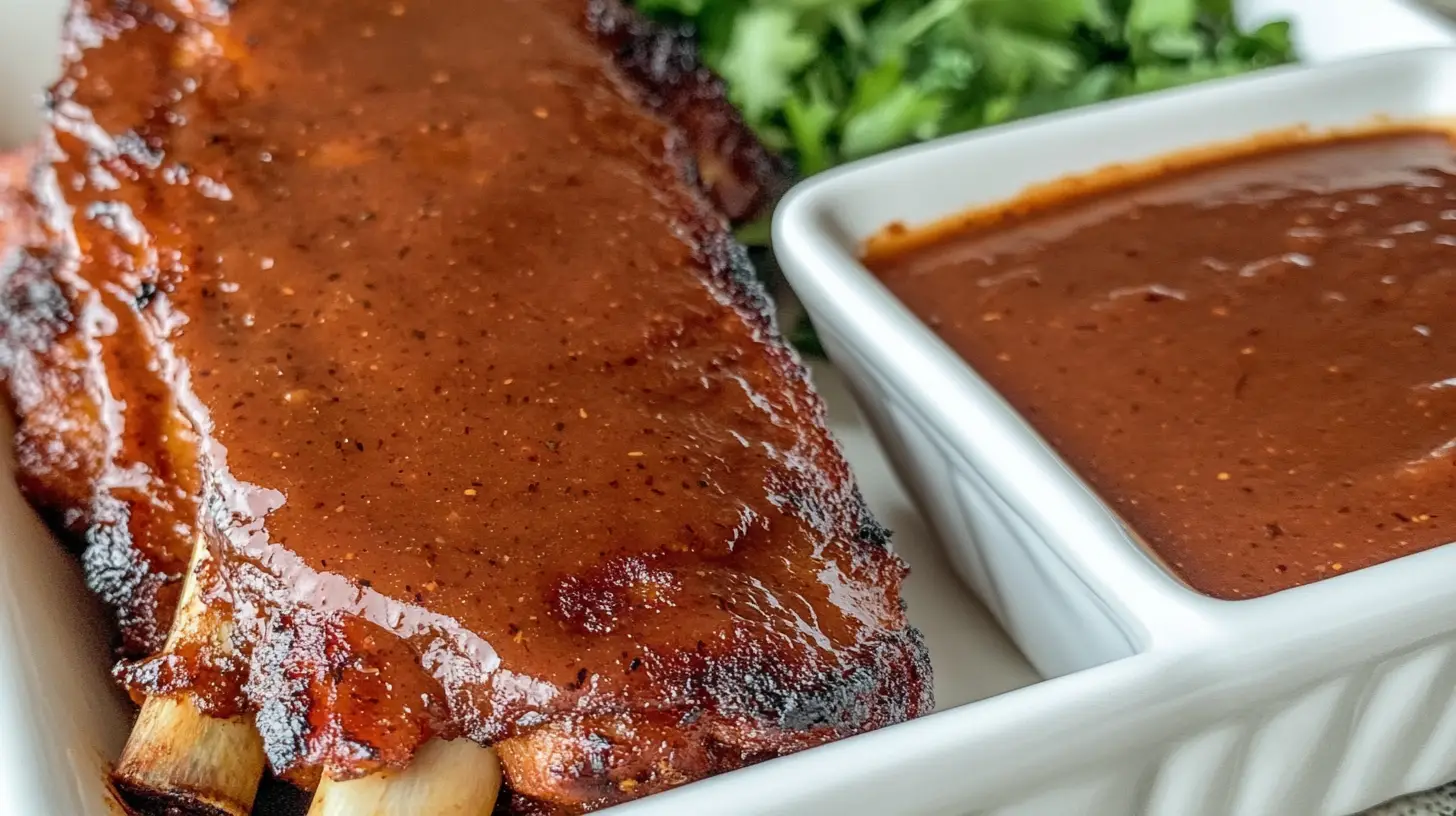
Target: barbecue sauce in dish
1250 359
423 316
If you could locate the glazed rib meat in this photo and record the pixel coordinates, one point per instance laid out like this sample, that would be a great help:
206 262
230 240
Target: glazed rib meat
426 318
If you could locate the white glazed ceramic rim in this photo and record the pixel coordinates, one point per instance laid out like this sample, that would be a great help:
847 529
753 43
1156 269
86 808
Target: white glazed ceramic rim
819 250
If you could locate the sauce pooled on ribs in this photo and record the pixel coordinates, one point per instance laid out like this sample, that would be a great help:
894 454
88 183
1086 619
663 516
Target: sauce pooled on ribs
417 312
1250 360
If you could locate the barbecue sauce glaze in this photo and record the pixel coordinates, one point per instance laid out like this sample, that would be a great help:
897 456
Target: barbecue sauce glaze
1251 360
417 313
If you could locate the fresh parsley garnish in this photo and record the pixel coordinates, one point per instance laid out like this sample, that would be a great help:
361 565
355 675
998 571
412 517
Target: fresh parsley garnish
827 81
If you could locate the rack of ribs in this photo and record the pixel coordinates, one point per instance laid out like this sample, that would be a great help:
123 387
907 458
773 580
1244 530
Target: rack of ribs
393 368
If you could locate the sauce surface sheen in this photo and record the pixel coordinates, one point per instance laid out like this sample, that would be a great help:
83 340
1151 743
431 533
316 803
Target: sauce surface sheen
1250 360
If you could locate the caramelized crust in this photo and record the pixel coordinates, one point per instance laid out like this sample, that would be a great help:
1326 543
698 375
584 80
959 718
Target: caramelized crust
427 318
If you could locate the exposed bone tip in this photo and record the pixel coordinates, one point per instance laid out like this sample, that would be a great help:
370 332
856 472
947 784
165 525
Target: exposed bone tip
455 778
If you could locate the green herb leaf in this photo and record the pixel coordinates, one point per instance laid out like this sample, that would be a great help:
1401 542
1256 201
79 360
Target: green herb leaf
904 114
805 339
949 69
765 53
1021 60
1217 9
1273 40
1175 44
1147 16
1054 18
810 121
1161 77
1096 85
755 233
873 86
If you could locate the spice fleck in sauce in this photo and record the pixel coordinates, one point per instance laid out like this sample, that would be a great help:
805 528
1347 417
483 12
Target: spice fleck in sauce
1252 361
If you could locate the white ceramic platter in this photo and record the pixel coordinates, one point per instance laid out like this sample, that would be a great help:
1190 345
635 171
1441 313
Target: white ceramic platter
62 721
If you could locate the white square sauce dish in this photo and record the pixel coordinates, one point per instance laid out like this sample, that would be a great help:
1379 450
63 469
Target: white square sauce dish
1323 698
